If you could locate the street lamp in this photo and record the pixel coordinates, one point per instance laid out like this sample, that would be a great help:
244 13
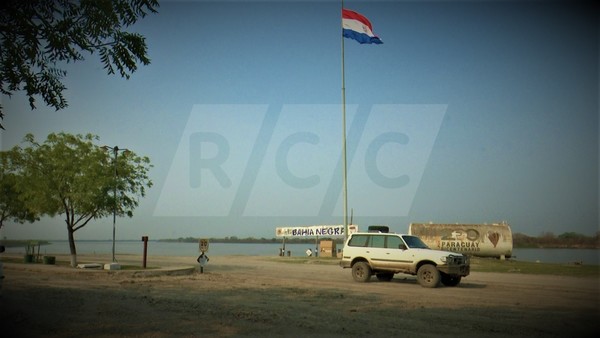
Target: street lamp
115 150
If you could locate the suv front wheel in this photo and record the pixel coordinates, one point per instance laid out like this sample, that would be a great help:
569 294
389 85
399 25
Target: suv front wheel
428 276
361 272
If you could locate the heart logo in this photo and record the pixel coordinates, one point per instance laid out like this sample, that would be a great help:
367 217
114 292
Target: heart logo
494 237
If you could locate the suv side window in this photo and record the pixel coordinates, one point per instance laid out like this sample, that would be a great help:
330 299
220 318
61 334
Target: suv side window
358 240
378 241
394 242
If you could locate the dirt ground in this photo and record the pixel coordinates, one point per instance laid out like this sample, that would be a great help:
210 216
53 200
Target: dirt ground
252 296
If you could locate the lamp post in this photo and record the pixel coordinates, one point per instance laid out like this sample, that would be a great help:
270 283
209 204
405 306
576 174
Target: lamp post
115 150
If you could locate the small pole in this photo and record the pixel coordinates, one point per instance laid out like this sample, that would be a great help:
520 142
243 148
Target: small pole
116 150
145 239
283 248
201 263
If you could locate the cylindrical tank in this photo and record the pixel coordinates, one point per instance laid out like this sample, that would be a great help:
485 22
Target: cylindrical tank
483 240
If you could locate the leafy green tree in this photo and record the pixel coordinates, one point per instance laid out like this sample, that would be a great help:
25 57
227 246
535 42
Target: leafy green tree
12 204
37 35
70 175
571 236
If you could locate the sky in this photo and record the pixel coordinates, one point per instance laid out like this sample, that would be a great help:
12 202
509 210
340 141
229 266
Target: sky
469 112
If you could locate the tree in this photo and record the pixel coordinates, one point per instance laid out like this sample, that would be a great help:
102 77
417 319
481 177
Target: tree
37 35
12 203
70 175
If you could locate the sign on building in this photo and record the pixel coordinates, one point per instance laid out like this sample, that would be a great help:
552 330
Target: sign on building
314 231
203 243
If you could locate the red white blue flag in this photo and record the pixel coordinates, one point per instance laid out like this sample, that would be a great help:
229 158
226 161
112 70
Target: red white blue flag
356 26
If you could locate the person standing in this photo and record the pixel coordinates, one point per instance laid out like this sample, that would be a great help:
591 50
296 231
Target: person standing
202 260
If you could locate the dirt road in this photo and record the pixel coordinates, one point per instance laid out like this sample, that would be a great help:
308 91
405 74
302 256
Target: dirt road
251 296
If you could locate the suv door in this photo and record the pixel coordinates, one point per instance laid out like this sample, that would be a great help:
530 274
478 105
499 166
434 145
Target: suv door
381 255
389 252
377 252
400 258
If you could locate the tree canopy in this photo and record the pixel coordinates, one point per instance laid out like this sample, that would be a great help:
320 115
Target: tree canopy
13 207
72 176
37 35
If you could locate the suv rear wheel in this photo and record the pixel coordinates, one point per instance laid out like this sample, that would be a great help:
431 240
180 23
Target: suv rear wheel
428 276
361 272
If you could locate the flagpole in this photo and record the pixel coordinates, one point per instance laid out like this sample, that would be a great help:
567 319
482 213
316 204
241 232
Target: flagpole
345 174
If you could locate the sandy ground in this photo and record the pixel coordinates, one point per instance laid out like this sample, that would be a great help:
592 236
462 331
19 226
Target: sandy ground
251 296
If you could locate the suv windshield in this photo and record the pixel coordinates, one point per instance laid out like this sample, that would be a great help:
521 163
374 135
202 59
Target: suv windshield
414 242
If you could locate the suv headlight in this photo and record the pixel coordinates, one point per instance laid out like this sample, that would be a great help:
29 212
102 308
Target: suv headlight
444 259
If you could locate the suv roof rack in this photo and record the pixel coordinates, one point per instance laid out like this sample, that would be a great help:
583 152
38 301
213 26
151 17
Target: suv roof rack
379 228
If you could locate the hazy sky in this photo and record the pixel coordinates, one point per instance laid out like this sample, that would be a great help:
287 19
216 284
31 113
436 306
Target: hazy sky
469 112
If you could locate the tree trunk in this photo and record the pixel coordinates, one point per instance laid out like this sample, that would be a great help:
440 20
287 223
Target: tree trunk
72 247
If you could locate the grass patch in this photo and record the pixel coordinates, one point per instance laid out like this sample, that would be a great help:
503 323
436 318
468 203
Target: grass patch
482 265
12 259
64 263
512 266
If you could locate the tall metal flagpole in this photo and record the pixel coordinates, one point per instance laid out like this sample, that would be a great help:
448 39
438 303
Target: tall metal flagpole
345 174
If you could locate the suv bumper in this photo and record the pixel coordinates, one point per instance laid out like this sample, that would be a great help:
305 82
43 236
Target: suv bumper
455 270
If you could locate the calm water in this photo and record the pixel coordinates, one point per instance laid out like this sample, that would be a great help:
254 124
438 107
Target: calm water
587 256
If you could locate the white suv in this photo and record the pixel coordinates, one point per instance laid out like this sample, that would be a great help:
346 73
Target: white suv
385 254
